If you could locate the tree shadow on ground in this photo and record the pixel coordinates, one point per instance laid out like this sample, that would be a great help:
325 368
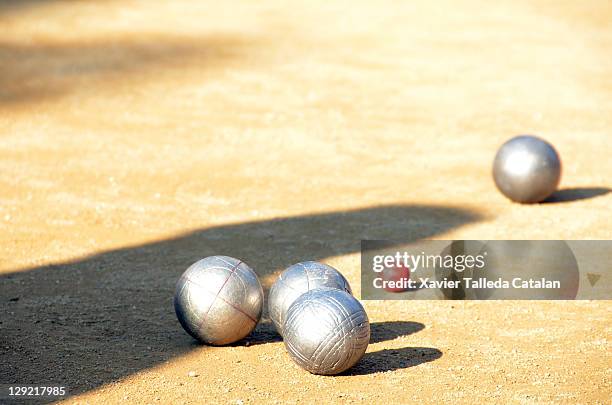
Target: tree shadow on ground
12 6
575 194
93 321
33 72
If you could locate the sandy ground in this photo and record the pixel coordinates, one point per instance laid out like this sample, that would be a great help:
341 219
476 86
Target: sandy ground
138 136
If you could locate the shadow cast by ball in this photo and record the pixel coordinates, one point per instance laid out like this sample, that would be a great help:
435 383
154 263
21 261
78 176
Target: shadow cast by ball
576 194
263 333
383 331
394 359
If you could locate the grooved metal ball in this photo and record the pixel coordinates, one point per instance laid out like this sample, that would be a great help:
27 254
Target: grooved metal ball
218 300
295 281
527 169
326 331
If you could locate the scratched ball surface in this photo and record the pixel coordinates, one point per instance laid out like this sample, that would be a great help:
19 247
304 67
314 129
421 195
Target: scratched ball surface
295 281
218 300
527 169
326 331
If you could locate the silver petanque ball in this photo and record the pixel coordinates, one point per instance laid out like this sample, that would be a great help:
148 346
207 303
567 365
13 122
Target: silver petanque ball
295 281
218 300
527 169
326 331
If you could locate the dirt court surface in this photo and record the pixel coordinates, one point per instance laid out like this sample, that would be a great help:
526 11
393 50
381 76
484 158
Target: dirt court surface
137 137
